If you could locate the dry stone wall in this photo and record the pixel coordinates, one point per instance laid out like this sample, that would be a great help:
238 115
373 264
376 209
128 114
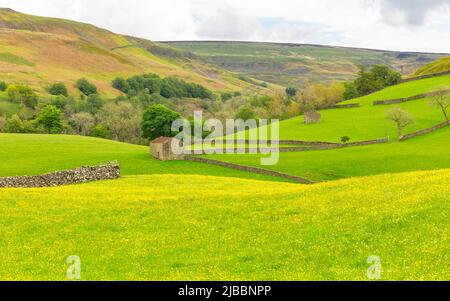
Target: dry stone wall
80 175
425 131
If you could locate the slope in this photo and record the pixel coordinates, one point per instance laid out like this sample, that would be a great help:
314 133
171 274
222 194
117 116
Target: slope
438 66
38 51
297 64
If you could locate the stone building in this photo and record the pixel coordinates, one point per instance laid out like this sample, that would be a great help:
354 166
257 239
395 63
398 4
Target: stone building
161 149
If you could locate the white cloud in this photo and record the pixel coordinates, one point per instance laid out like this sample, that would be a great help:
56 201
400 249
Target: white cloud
414 25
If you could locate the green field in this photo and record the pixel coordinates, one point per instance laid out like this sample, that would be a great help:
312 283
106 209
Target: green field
35 154
166 227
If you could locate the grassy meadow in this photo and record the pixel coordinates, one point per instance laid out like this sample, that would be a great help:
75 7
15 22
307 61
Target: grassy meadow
155 228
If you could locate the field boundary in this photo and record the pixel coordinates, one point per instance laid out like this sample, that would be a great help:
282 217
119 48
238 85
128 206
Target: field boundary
425 76
310 147
405 99
249 169
425 131
344 106
80 175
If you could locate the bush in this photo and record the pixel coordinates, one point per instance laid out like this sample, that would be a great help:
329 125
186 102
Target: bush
157 121
246 113
3 86
86 87
291 92
100 131
16 125
23 95
345 139
58 89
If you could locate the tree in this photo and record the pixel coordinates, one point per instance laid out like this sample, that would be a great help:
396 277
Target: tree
401 118
3 86
345 139
350 91
157 121
22 94
246 113
123 121
82 123
94 103
86 87
291 92
441 99
121 84
50 119
58 89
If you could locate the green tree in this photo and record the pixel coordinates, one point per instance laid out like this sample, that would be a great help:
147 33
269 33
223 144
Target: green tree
86 87
350 91
246 113
157 121
22 94
58 89
3 86
291 92
50 119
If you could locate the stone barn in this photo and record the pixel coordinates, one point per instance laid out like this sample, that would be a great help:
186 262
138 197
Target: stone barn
161 149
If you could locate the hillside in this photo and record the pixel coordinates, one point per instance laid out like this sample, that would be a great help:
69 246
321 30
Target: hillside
364 123
38 51
157 228
440 65
296 64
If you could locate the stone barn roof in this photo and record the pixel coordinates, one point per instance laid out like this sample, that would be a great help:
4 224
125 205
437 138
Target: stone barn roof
162 140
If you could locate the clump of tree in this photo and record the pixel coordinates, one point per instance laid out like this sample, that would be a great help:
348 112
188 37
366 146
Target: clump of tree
86 87
401 118
58 89
157 121
23 95
379 77
441 100
123 120
168 87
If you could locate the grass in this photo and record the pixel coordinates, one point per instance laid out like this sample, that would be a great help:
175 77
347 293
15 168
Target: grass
14 59
440 65
36 154
423 153
156 228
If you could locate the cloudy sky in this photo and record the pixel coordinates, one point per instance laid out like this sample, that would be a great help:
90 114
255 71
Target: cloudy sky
413 25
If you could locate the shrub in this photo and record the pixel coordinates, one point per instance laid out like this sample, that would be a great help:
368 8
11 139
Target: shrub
86 87
246 113
345 139
3 86
100 131
58 89
291 92
157 121
22 94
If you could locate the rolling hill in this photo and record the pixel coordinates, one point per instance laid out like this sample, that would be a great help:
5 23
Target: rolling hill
297 64
39 50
